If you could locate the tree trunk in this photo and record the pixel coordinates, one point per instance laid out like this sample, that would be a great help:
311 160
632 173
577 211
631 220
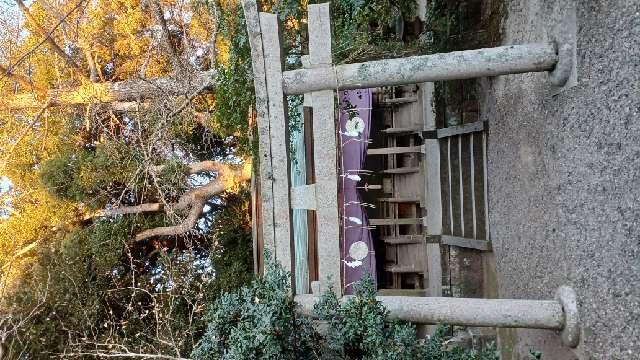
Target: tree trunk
122 91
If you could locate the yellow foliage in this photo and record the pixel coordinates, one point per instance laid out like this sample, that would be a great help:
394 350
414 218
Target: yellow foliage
223 47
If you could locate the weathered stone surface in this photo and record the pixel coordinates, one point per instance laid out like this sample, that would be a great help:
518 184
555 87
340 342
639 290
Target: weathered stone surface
325 153
252 19
538 314
467 64
279 141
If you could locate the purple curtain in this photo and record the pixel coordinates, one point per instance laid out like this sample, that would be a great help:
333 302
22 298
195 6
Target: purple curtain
357 253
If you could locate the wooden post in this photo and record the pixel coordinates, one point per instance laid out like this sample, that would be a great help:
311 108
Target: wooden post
279 140
433 220
325 153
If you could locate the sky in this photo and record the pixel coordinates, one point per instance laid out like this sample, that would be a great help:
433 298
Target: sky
5 184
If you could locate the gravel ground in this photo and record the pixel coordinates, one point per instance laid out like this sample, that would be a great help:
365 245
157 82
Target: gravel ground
564 180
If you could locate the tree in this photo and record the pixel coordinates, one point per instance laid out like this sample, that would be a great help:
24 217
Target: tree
124 195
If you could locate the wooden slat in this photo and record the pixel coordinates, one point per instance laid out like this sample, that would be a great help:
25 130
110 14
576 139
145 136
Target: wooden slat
399 131
465 242
433 219
400 221
473 190
279 140
402 100
325 156
450 184
403 239
461 185
399 200
461 129
403 170
402 292
486 194
312 234
397 268
264 134
395 150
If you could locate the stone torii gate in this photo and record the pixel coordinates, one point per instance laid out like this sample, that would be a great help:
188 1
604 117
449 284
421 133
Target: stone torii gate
322 80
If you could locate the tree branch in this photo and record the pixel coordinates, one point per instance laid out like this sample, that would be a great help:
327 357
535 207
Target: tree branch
229 177
25 55
158 13
42 32
121 91
20 79
124 355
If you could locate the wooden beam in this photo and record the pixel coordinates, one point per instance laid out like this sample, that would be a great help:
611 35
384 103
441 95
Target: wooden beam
403 239
399 200
396 221
398 101
252 20
433 195
402 292
459 241
279 140
403 269
402 170
396 150
325 153
461 129
399 131
312 234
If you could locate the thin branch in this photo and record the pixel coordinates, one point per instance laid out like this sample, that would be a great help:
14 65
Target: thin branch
25 131
20 79
46 38
49 39
156 8
124 355
194 200
21 252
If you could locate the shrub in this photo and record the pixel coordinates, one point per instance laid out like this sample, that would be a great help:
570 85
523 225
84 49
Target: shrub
260 322
257 322
360 328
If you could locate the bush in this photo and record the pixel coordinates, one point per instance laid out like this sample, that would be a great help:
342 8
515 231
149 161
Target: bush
360 329
257 322
260 322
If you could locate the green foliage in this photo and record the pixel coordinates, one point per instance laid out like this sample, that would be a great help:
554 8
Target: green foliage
87 293
359 328
232 253
112 170
260 322
440 20
436 349
234 94
362 29
257 322
90 176
534 355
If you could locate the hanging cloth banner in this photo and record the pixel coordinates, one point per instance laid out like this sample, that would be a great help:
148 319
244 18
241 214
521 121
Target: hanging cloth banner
357 254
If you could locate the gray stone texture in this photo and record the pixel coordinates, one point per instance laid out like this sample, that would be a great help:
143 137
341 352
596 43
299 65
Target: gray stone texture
564 179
